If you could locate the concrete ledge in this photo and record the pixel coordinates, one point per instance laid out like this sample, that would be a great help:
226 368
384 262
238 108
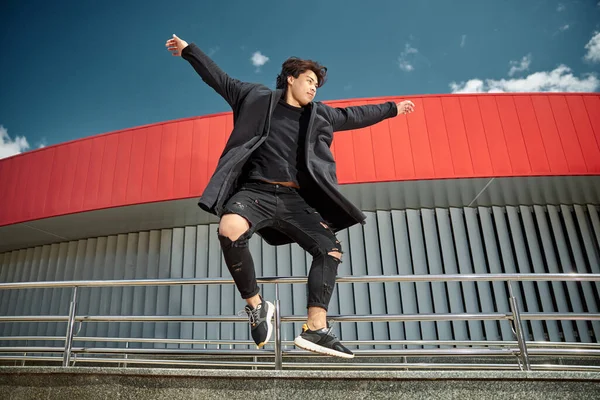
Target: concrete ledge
154 383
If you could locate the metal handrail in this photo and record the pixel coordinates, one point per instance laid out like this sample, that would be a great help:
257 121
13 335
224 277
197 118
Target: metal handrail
303 279
515 317
528 316
237 364
241 342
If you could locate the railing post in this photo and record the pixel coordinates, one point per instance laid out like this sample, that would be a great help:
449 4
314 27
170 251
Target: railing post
518 325
70 326
126 355
278 352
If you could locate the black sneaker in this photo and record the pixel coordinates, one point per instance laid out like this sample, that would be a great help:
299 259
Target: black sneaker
322 341
260 318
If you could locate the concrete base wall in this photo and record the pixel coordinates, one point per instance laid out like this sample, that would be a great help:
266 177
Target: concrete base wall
140 383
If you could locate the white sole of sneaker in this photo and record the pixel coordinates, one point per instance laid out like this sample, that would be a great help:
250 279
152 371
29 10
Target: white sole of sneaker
310 346
270 312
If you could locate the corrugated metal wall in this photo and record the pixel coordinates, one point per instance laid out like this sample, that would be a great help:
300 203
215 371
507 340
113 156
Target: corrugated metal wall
540 239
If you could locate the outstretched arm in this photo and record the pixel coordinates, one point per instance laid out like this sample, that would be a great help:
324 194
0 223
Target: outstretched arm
232 90
356 117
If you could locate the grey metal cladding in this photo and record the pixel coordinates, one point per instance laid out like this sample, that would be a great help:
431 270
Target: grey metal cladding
510 239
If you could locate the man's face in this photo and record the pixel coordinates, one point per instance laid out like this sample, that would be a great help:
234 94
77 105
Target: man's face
304 88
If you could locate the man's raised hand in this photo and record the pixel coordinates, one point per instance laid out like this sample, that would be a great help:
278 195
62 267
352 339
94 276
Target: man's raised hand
176 45
405 107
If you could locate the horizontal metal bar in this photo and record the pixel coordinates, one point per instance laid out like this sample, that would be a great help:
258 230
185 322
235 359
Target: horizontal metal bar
472 343
303 279
291 342
297 318
416 353
301 318
32 349
152 318
270 353
564 352
207 352
27 338
365 353
236 364
465 278
405 317
231 318
560 316
31 358
34 318
563 344
166 341
120 360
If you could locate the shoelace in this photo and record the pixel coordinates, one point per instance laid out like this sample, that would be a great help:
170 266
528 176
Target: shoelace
329 332
251 313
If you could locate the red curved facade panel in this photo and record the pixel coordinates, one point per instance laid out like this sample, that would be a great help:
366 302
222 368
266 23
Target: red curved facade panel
449 136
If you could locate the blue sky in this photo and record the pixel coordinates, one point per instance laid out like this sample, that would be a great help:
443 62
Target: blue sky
73 69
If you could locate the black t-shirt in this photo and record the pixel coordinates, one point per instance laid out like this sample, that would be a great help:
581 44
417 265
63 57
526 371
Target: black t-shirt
281 156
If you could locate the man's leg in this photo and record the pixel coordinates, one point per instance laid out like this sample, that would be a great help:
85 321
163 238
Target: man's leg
316 334
317 316
306 226
237 256
245 212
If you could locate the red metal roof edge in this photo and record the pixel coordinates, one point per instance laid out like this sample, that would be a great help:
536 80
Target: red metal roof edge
360 99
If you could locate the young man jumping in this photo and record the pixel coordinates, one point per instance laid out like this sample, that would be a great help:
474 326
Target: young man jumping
276 177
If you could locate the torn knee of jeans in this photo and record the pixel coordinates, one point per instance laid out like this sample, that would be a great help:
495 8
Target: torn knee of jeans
336 254
242 241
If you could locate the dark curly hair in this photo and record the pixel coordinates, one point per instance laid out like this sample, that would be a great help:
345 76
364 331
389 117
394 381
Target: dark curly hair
295 66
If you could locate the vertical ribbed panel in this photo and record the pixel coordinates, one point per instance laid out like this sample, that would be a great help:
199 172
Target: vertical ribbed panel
512 239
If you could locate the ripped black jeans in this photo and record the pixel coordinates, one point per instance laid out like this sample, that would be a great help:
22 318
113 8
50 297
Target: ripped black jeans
282 208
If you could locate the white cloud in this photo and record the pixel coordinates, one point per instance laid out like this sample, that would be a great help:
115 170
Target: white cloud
10 147
404 60
213 50
405 66
593 48
519 66
564 28
463 41
558 80
470 86
561 7
258 59
408 49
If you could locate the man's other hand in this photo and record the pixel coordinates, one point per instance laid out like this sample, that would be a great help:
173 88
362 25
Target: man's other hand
405 107
176 45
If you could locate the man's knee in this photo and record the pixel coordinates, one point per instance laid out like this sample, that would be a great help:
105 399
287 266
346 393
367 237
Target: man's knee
233 226
336 254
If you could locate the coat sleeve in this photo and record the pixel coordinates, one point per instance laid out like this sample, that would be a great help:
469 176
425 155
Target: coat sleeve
232 90
356 117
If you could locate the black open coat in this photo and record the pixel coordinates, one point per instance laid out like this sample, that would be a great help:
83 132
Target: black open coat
253 106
